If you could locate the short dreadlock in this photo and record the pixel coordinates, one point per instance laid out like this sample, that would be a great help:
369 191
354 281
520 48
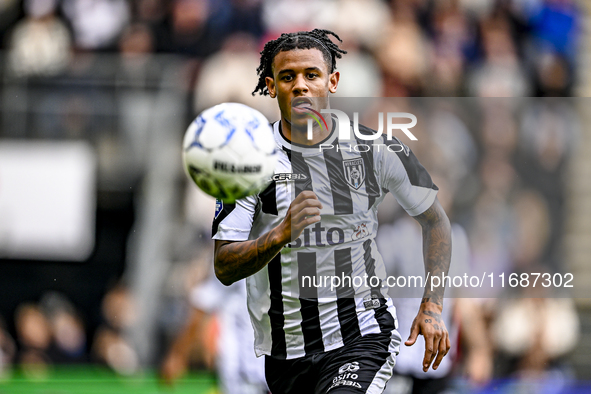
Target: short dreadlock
316 38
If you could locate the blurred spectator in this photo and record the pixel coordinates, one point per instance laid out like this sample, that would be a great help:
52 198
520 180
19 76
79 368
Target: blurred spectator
230 75
70 340
199 27
555 27
451 144
189 19
242 16
361 22
190 32
150 11
34 337
9 13
549 134
155 13
110 346
40 43
531 230
535 333
96 23
491 220
360 74
136 41
283 16
499 130
554 76
68 332
500 74
7 351
476 348
454 37
402 53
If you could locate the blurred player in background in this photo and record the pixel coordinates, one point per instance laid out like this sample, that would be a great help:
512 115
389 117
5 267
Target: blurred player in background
239 370
345 343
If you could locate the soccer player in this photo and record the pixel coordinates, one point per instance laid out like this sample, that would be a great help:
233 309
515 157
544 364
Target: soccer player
313 220
238 370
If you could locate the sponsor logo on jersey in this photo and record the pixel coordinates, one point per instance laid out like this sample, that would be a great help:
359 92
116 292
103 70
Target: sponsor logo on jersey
344 383
349 367
322 237
354 172
288 176
361 231
371 302
347 376
219 207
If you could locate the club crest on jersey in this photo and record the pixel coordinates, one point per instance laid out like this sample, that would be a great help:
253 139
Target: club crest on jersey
354 172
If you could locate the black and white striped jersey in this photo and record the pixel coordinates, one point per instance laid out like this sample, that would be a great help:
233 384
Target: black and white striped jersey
291 317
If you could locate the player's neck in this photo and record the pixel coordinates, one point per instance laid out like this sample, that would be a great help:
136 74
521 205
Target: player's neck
319 134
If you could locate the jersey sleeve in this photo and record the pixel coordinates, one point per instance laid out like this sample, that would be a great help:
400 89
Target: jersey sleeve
233 222
404 176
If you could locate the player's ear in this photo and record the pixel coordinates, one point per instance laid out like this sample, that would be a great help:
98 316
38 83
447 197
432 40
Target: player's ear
333 81
271 86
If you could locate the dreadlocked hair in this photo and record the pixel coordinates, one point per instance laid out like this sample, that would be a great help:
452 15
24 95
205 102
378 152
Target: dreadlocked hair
316 38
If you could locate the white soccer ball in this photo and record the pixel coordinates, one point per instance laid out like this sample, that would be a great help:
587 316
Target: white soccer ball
229 151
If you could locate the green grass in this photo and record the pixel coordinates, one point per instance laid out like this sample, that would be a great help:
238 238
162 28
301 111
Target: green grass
98 380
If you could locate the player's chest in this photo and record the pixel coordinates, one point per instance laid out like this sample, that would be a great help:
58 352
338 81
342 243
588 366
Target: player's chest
344 183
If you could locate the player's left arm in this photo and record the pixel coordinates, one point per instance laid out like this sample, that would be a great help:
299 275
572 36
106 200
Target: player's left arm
437 256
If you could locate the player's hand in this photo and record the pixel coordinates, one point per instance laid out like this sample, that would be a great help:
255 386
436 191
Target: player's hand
173 367
430 325
303 211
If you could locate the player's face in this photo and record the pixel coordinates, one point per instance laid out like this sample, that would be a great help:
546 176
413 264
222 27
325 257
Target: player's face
300 73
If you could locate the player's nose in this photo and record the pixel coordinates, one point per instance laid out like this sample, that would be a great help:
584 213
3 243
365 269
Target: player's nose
299 85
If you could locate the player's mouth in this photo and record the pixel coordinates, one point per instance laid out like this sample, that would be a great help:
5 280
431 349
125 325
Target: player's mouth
301 105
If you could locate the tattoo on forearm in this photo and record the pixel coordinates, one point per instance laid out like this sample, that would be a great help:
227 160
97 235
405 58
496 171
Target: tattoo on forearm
238 260
436 249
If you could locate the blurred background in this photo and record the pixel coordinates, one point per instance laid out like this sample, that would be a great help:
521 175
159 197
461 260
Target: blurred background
103 241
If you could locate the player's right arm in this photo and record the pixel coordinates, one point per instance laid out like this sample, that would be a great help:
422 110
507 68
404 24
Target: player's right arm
235 260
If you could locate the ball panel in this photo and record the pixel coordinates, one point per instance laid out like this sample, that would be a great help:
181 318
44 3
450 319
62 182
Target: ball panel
230 151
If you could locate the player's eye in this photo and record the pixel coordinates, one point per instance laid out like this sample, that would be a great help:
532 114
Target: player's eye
287 78
312 75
